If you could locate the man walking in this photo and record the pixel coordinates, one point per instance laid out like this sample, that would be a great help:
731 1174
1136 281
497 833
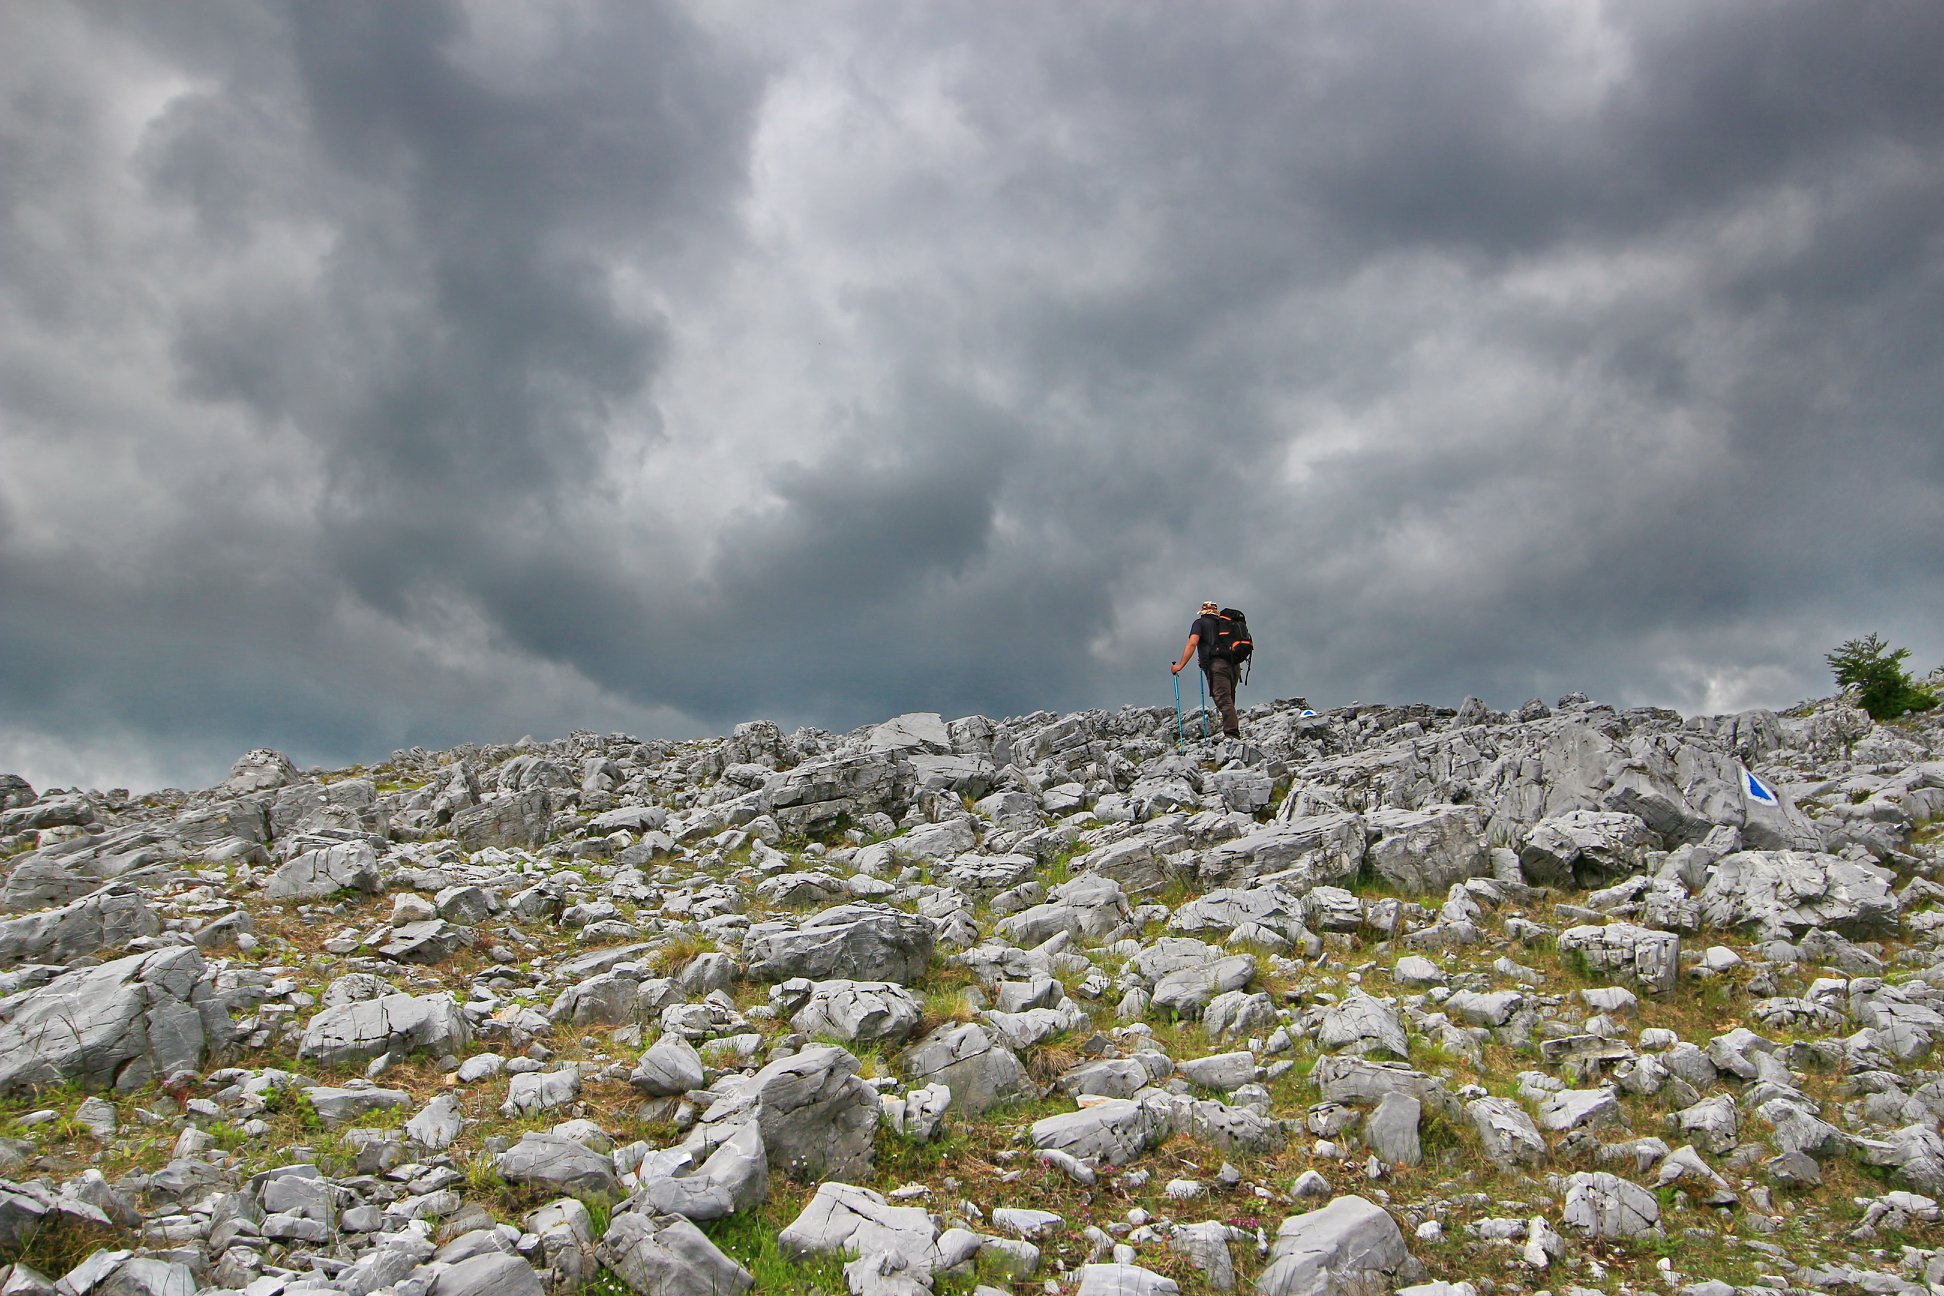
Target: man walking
1220 670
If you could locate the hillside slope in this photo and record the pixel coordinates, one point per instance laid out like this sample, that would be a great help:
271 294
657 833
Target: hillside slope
1564 998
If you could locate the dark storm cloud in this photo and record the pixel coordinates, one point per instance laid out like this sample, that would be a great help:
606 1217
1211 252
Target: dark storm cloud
416 372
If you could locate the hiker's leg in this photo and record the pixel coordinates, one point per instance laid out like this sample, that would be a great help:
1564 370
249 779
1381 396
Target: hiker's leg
1221 683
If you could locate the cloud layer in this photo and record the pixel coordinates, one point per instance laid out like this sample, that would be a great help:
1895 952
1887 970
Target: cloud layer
377 374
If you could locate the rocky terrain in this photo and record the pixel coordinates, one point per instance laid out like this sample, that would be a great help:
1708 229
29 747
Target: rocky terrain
1379 999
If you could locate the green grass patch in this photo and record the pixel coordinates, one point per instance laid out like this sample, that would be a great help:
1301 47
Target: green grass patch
750 1239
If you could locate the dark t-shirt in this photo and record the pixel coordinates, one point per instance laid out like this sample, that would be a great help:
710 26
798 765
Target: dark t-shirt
1204 628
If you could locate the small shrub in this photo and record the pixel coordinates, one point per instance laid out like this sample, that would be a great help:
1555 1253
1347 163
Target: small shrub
1884 688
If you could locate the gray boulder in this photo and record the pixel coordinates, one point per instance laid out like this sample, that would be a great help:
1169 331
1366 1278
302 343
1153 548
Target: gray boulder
670 1067
1349 1245
871 942
816 794
15 792
971 1061
395 1023
1116 1077
734 1177
1188 990
122 1024
533 1092
318 874
436 1124
519 820
1362 1024
1344 1078
1605 1207
1085 906
1392 1130
1651 958
1301 852
859 1011
1232 1129
1424 851
261 770
559 1165
1224 909
1791 892
55 875
1509 1135
108 919
815 1115
1223 1072
1585 848
1112 1132
666 1255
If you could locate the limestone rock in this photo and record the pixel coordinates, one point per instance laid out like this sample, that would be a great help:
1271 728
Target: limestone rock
1112 1132
970 1060
119 1025
666 1255
558 1164
867 941
318 874
1347 1245
1791 892
1606 1207
815 1115
395 1023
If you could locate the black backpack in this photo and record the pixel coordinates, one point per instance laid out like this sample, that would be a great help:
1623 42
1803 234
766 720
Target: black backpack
1232 641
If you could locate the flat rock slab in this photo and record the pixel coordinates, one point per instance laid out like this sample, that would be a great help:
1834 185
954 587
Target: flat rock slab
1124 1280
493 1274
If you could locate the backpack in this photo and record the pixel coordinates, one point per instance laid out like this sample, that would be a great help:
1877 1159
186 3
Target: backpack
1232 641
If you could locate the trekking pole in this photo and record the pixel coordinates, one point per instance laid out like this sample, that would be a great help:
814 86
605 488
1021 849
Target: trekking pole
1181 732
1203 681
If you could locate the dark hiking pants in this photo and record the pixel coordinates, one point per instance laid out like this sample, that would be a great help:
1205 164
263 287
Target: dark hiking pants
1221 687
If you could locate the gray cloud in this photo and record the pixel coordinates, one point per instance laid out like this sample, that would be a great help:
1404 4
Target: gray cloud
387 373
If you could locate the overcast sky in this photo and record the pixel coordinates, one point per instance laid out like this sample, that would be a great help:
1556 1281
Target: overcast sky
386 373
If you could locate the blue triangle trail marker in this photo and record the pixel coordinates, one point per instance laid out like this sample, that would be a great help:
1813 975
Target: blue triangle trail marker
1758 790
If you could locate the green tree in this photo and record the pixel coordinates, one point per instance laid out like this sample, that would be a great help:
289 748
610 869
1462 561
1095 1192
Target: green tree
1884 687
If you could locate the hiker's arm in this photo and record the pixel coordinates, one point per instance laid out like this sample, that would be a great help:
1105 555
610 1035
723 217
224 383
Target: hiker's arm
1187 652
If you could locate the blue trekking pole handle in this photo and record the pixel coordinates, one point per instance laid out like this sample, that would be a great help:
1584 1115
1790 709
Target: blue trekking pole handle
1181 733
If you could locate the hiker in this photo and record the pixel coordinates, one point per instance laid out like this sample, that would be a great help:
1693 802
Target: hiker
1220 669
